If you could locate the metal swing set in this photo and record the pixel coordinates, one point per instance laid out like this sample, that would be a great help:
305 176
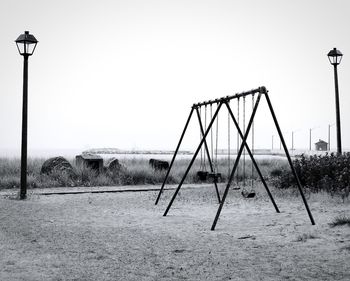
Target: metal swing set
242 146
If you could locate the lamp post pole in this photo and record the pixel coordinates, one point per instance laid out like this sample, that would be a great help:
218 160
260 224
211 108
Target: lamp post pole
337 110
23 191
26 44
335 57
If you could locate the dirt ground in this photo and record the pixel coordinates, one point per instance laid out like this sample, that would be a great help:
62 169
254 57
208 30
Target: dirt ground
124 236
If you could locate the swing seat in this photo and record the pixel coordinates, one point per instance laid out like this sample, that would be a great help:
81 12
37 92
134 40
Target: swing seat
202 175
248 194
214 176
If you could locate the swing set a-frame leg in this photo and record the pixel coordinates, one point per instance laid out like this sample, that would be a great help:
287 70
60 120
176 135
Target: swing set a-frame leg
174 156
289 159
208 154
193 159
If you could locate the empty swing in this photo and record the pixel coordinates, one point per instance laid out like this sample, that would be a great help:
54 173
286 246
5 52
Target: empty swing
248 193
202 174
215 175
229 146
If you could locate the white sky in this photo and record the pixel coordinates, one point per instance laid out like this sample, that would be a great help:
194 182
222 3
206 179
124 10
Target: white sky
125 73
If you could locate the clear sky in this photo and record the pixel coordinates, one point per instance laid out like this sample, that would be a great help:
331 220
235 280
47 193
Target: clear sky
124 74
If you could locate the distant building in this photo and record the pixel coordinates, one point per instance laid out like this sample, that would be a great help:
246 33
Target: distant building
321 145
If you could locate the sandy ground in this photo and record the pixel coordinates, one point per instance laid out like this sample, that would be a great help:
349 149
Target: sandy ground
123 236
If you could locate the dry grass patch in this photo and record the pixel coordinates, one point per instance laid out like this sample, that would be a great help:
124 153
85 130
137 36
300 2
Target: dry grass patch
340 220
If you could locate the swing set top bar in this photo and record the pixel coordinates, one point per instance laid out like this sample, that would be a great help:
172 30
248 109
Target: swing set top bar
261 90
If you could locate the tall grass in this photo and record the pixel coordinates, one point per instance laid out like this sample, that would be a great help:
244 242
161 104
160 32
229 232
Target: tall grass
135 171
10 170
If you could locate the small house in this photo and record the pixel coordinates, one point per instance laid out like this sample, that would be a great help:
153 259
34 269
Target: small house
321 145
91 161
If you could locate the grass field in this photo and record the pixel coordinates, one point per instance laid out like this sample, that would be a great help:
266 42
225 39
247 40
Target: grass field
123 236
137 171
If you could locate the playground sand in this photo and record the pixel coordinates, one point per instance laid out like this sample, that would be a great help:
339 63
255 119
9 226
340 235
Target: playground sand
124 236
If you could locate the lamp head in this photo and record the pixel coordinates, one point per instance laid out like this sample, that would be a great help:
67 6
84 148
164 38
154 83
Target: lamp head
335 56
26 44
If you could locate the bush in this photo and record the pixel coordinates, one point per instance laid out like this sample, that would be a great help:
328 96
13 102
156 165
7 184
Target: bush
341 220
277 172
329 172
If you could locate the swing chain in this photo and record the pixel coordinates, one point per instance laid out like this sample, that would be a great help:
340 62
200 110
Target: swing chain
228 141
200 138
205 129
244 131
238 137
217 140
211 136
252 175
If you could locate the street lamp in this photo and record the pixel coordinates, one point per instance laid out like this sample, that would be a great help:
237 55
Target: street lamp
26 44
335 57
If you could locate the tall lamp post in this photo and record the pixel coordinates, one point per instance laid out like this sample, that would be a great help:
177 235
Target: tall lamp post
335 57
26 44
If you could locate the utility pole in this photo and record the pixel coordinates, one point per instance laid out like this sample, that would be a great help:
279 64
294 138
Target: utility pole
329 136
310 140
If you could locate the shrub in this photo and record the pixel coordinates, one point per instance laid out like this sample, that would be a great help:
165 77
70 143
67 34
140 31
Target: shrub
329 172
277 172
